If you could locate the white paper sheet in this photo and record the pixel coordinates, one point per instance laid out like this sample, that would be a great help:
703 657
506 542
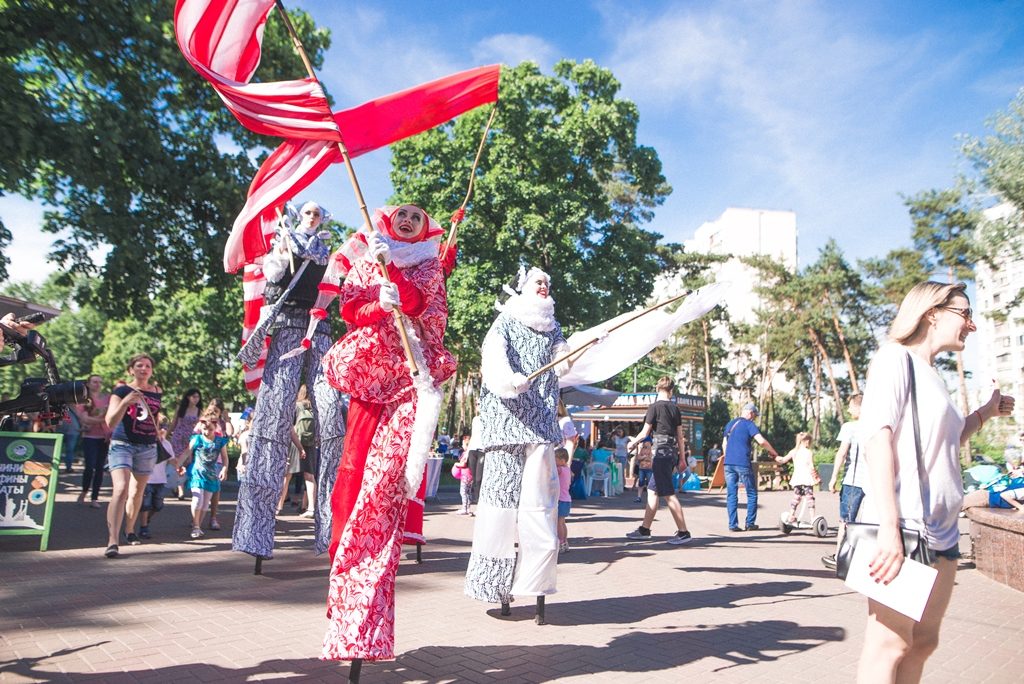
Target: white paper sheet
908 593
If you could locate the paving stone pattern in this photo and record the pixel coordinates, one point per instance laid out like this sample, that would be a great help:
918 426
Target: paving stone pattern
731 607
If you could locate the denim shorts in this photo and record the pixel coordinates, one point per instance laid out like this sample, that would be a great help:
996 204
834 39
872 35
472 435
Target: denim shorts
141 458
850 498
563 508
153 497
952 553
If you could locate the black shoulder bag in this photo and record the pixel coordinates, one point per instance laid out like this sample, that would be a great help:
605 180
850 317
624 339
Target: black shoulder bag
914 545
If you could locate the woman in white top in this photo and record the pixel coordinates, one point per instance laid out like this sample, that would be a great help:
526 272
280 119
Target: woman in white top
933 318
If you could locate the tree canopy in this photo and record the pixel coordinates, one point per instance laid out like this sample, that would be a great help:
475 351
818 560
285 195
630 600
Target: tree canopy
128 145
562 185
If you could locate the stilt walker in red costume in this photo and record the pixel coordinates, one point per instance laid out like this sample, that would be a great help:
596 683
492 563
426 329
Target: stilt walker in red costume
392 417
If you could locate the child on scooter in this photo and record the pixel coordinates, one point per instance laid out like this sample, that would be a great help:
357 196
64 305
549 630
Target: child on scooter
804 477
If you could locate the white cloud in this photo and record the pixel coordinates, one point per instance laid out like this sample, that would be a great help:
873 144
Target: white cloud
811 108
513 48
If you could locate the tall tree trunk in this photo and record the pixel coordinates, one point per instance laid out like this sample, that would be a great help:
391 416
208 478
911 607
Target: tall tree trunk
707 363
450 423
850 368
820 349
816 430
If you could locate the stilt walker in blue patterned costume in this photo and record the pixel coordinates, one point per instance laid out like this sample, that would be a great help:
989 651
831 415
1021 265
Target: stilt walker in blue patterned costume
293 271
519 496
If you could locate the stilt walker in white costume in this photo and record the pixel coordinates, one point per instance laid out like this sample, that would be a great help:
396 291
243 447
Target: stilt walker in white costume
519 496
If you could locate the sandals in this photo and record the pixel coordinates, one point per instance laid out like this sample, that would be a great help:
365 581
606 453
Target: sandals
214 524
111 552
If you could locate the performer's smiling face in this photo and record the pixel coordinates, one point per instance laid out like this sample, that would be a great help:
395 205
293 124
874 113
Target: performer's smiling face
537 285
408 223
311 216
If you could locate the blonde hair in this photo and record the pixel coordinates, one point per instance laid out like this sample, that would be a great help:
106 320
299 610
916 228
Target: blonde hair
921 299
802 437
666 384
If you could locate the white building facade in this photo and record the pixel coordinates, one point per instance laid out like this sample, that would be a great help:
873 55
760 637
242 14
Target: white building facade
1000 336
740 233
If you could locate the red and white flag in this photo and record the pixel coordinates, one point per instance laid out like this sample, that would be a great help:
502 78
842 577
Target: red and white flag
222 40
370 126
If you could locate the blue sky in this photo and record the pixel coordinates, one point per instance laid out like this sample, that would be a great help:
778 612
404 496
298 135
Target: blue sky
831 110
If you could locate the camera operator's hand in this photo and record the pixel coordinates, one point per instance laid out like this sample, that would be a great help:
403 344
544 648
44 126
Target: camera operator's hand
14 324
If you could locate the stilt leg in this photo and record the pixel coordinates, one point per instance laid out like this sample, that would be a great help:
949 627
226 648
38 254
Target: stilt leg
540 611
506 609
259 566
353 670
419 553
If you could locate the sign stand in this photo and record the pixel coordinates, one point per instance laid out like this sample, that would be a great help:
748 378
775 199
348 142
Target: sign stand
29 467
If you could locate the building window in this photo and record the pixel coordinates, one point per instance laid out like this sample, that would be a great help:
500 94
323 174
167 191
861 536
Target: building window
1005 341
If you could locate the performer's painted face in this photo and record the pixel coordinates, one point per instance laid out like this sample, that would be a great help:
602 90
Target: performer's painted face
537 285
310 216
408 223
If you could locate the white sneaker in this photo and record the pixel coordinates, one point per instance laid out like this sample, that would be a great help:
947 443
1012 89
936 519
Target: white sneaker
196 533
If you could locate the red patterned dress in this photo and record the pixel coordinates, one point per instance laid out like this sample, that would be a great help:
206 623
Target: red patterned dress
370 495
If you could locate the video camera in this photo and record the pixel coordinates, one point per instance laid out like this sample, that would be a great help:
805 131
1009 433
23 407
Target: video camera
47 396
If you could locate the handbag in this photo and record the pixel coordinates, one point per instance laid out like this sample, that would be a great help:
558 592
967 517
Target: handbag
914 545
164 450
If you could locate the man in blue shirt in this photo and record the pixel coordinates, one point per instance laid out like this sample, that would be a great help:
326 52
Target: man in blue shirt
739 435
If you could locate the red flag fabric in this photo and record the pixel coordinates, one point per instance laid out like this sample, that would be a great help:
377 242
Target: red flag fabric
222 40
370 126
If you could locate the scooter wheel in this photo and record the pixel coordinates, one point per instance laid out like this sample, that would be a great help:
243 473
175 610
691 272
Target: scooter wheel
784 528
820 526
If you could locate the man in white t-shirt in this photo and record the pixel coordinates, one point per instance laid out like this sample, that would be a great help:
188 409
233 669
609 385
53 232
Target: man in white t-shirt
855 475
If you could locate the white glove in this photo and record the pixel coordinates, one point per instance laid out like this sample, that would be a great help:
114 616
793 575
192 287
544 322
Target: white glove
377 248
520 383
275 264
389 297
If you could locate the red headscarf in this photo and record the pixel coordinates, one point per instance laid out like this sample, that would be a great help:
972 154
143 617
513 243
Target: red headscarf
383 217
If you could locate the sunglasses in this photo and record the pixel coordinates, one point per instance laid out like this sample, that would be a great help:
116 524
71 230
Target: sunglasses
967 313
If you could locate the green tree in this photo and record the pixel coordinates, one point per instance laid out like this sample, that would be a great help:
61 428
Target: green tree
126 143
562 185
888 279
944 227
192 337
998 159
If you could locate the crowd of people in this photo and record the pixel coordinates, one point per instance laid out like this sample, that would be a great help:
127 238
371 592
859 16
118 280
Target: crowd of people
374 397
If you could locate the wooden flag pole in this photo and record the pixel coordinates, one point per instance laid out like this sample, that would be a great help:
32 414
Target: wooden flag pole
577 352
472 176
399 318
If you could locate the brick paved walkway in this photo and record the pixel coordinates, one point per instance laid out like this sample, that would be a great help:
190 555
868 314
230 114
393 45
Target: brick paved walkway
735 607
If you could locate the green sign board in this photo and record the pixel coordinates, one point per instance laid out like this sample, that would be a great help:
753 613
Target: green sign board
29 465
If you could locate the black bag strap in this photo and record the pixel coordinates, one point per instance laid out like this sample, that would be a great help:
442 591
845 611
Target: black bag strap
922 480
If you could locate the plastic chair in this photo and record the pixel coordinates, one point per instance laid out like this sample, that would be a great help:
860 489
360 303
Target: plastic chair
598 473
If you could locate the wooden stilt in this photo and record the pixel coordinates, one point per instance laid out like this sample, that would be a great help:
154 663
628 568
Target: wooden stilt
259 566
506 609
419 553
540 611
353 670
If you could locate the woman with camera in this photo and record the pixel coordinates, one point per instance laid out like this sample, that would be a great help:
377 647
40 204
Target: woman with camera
897 433
131 415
